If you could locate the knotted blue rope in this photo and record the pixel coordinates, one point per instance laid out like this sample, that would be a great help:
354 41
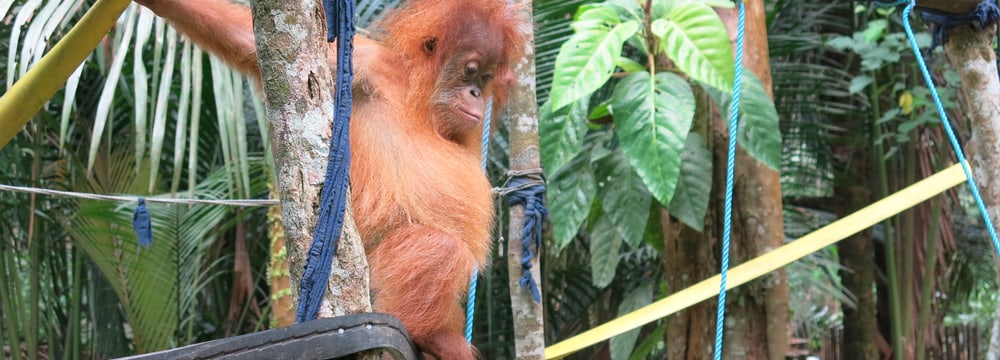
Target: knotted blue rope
529 192
142 224
727 223
984 14
946 123
340 25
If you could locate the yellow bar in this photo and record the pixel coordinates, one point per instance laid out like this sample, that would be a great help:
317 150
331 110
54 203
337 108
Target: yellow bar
29 93
815 241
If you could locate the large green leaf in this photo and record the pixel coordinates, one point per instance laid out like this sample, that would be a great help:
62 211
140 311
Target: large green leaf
690 202
587 60
561 133
759 132
695 38
624 197
652 118
622 345
571 193
605 245
158 286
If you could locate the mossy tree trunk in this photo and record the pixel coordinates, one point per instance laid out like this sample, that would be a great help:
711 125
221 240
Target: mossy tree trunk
970 53
291 43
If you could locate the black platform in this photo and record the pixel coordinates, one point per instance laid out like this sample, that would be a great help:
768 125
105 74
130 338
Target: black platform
318 339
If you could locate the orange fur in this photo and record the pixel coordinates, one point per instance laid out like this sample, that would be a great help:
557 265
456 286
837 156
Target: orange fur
422 203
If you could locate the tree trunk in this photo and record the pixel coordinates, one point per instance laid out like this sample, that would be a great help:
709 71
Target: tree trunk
297 82
688 257
282 307
757 313
529 336
970 53
757 320
858 275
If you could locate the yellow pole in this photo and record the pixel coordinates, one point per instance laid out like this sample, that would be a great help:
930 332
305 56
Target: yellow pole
29 93
819 239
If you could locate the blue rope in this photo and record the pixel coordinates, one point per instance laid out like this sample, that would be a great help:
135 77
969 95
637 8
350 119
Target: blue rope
734 115
947 126
142 224
529 192
340 22
985 13
470 305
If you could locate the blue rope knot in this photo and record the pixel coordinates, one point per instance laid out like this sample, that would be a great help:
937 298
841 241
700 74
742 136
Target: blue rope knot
528 189
985 14
340 19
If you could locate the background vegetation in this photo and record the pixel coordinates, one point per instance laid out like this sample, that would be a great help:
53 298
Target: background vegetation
148 114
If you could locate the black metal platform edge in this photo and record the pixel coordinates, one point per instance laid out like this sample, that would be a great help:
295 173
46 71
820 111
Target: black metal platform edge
318 339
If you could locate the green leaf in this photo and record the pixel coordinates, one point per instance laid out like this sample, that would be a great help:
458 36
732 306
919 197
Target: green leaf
649 344
695 39
652 118
690 202
587 60
561 133
570 194
626 9
622 345
759 133
600 110
629 65
841 43
624 197
859 83
605 244
875 30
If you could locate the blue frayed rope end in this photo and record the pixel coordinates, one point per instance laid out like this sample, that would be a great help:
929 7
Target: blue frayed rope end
142 224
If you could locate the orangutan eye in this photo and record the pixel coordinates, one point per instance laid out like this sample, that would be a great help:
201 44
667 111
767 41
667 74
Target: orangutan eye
471 69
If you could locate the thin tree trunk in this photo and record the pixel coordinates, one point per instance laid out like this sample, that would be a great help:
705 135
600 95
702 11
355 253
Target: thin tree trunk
282 307
757 322
856 253
297 82
970 53
858 275
529 336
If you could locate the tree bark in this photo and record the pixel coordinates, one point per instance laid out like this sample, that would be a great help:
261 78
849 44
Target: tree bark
297 81
529 336
858 275
757 320
970 53
688 257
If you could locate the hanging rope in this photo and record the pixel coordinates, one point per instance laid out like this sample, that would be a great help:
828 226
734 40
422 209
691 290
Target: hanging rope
470 304
727 223
984 14
527 188
991 17
340 25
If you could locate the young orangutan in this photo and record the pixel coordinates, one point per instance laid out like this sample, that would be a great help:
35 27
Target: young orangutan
423 204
